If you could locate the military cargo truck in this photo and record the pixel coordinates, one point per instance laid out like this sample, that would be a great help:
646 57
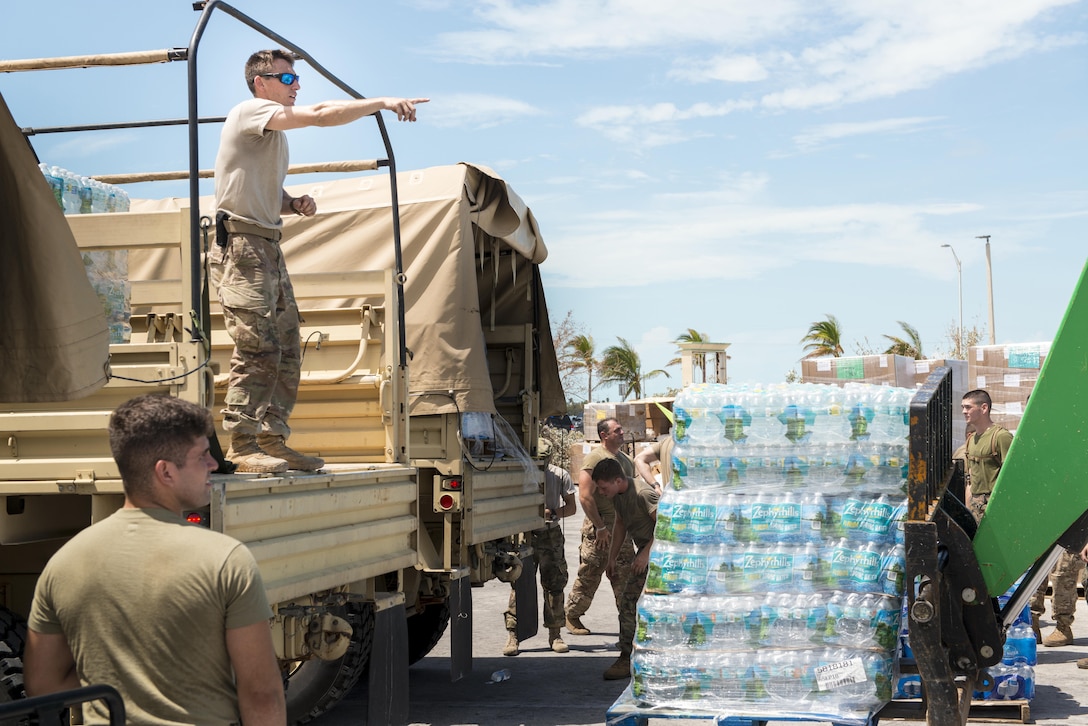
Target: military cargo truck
428 368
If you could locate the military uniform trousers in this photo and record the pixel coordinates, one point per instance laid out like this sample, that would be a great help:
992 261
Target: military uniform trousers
262 318
592 564
548 548
1063 603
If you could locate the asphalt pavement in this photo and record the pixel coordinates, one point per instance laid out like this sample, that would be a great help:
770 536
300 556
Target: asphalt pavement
549 689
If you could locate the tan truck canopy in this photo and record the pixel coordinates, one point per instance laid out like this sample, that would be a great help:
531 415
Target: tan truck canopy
470 251
54 344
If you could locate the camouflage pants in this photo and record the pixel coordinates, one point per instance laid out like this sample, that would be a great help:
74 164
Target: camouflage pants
628 605
548 549
592 562
263 320
1063 603
977 505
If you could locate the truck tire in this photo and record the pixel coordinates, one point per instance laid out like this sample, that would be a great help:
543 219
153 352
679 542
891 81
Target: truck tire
425 629
12 644
315 686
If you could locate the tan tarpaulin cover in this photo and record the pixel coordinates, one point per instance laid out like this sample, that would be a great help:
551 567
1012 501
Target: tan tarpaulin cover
54 343
452 217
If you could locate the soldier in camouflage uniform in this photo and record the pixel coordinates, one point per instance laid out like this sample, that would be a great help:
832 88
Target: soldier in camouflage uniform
247 263
597 529
549 549
1063 603
636 515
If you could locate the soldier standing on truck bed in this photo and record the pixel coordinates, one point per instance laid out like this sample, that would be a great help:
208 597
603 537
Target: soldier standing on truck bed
171 614
247 263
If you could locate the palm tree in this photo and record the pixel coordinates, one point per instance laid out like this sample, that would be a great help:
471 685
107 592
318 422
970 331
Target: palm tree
621 364
911 347
824 338
698 360
580 354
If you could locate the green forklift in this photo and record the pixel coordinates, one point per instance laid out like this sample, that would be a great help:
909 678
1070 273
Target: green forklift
957 569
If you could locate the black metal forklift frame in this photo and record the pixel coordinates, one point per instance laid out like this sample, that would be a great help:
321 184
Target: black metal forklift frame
953 623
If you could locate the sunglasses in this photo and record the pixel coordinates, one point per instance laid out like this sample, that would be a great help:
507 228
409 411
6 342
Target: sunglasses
285 78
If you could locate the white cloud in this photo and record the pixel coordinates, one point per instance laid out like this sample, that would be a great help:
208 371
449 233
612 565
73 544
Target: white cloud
477 110
820 135
730 69
653 125
793 55
732 233
520 31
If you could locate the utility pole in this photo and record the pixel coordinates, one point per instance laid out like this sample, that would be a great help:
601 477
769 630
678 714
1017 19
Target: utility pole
959 271
989 287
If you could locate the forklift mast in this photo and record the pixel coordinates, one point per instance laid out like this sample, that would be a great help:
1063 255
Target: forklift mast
956 569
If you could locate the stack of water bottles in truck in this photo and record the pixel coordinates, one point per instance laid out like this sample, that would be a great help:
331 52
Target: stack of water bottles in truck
775 581
106 269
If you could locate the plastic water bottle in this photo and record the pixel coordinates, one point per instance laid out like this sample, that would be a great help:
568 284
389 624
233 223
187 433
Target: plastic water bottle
702 517
720 576
503 674
814 516
1020 645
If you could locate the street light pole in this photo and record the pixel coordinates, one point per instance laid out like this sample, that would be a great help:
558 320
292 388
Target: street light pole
989 287
959 272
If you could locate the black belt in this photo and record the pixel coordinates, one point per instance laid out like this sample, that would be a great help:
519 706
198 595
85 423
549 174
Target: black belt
224 224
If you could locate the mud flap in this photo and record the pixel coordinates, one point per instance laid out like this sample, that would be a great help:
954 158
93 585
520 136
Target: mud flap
460 628
527 600
387 684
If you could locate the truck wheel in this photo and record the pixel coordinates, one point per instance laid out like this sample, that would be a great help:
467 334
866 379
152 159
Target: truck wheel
425 629
314 686
12 644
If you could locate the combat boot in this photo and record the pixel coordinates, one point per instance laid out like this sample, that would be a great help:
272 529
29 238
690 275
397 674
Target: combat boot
556 642
1062 635
247 456
1035 629
274 445
619 670
511 647
574 625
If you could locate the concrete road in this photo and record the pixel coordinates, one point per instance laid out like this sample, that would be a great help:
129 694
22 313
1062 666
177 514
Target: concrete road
548 689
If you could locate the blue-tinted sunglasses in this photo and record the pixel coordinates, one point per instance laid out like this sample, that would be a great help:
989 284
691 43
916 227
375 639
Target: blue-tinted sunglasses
285 78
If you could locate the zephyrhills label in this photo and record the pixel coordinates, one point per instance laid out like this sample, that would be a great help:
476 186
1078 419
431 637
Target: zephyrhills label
843 673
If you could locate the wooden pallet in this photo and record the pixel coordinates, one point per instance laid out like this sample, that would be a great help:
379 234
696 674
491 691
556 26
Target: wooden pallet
981 711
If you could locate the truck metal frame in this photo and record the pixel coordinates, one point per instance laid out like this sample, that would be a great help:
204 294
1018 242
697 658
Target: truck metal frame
366 561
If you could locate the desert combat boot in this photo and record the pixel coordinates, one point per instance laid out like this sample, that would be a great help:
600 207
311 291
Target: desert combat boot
555 641
1062 635
274 445
247 456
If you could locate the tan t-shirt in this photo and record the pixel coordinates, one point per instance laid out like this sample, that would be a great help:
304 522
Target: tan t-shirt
251 165
144 600
604 504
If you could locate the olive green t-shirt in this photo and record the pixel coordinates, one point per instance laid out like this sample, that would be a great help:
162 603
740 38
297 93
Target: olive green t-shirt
604 504
144 600
985 454
637 507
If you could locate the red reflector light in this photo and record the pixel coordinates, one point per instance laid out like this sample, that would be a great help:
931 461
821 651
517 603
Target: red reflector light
445 501
194 518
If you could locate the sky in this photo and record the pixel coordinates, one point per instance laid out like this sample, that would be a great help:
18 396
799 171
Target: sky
741 168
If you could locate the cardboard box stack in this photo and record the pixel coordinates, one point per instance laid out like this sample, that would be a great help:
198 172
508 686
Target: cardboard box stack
889 369
642 420
1008 373
893 370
